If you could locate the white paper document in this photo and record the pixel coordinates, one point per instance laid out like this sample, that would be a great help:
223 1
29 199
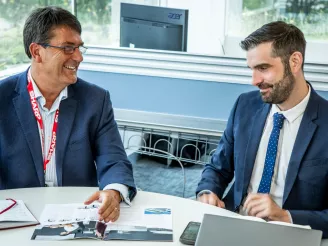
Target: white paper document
18 213
54 214
243 217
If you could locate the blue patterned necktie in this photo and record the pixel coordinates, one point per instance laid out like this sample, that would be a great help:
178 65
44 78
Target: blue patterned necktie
270 159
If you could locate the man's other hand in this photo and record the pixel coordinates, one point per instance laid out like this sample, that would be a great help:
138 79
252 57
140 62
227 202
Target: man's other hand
262 206
110 204
211 199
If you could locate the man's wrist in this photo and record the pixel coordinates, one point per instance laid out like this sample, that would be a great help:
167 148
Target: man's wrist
116 195
203 192
122 189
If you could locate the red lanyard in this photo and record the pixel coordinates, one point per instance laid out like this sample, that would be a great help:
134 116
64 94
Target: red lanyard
38 118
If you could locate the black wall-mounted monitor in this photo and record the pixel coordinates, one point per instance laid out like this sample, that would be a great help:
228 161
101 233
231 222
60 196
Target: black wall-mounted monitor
150 27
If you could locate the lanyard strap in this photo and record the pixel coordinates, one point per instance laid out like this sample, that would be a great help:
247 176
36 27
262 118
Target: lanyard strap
37 114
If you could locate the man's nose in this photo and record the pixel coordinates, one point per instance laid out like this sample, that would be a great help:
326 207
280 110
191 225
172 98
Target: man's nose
77 55
256 78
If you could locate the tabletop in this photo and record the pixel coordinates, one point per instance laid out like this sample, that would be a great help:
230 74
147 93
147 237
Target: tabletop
183 211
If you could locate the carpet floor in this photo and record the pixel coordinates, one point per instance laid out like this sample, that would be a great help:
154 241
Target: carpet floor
154 176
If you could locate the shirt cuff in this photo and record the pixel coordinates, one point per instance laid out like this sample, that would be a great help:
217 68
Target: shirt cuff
122 189
203 192
290 217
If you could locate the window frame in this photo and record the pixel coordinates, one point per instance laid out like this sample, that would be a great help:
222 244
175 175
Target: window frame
230 68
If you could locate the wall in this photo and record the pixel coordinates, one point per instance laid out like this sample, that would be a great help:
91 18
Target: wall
167 95
206 25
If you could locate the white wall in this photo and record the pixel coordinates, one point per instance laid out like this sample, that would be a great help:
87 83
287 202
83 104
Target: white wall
206 24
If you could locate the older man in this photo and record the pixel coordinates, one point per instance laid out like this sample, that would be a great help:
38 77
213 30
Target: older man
56 129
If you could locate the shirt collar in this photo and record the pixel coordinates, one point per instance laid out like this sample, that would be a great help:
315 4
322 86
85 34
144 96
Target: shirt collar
295 112
42 100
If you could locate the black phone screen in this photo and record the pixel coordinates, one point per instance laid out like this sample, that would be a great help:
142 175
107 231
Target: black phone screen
190 233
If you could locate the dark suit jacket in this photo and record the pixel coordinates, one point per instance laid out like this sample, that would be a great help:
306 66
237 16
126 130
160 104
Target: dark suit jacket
306 189
87 134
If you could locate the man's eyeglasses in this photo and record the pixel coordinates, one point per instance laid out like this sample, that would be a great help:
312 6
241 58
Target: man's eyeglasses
10 206
68 49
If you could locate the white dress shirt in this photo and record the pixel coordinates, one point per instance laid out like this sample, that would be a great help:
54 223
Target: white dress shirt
48 120
288 133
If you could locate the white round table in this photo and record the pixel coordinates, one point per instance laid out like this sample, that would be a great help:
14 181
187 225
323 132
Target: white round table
183 210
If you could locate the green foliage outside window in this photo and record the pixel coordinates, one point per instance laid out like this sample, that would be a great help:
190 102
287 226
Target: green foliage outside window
13 14
94 15
255 4
95 18
311 16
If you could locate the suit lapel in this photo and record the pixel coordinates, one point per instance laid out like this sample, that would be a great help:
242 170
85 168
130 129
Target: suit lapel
258 124
67 111
29 125
305 133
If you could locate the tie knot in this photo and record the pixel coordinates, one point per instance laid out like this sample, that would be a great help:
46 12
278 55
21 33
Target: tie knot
278 120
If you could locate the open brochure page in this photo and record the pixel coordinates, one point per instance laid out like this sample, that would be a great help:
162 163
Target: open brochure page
76 230
139 223
54 214
73 221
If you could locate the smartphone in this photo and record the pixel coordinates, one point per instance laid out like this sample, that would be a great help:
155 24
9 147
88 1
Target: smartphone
190 233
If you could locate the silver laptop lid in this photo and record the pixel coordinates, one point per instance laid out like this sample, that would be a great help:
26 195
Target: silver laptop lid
224 231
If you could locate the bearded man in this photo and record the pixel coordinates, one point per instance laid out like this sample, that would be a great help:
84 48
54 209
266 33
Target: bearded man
275 143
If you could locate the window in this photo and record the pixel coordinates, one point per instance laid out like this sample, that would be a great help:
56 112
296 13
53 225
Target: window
13 14
215 27
310 16
100 20
245 16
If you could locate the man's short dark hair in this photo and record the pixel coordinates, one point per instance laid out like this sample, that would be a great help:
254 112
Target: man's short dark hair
286 39
41 22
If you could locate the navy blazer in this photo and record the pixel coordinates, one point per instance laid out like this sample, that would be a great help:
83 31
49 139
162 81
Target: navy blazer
89 150
306 189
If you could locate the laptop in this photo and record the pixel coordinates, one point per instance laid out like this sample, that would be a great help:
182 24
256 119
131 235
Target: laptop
225 231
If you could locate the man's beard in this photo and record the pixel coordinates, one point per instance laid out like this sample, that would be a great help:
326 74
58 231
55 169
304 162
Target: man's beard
281 90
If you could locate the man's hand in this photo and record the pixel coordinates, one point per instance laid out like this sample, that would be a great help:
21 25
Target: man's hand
262 206
211 199
110 204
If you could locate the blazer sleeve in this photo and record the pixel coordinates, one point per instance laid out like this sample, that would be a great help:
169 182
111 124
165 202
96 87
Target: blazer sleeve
316 219
112 163
220 171
2 172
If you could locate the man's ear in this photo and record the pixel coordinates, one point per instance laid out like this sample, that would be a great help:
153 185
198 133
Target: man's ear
35 50
295 62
